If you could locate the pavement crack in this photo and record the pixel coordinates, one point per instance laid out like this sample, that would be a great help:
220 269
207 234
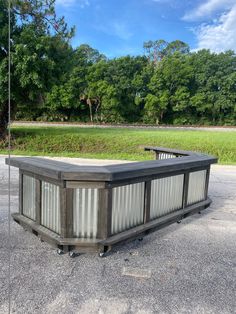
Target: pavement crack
72 270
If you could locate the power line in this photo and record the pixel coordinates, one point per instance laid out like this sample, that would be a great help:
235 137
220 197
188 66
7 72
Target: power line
9 156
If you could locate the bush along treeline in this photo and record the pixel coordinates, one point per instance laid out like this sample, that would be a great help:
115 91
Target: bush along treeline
52 81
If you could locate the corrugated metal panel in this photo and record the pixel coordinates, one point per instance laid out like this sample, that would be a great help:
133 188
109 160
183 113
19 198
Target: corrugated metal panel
29 197
85 213
196 188
166 195
51 207
166 156
127 207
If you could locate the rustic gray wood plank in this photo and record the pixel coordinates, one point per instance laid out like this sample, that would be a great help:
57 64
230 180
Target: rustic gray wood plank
63 212
104 213
69 212
43 178
38 191
85 185
185 189
20 192
207 182
161 175
147 201
63 171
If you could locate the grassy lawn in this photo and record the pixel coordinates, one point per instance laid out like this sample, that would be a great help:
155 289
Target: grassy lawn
117 143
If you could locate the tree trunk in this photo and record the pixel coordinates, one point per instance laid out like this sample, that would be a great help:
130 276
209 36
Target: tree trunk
96 110
3 120
90 109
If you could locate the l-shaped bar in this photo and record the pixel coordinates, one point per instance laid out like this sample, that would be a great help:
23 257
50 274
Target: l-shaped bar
91 208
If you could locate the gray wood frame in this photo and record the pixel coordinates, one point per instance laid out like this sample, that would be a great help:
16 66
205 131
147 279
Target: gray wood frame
20 192
105 210
104 178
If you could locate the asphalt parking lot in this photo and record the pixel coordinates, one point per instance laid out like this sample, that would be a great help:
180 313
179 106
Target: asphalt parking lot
184 268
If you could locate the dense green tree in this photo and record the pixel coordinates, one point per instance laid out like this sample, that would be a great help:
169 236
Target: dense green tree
4 63
40 53
158 49
176 46
155 50
70 97
169 87
181 87
114 84
51 80
214 93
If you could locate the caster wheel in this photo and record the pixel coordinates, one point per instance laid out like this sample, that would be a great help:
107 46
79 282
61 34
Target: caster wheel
140 239
73 254
101 254
179 222
60 252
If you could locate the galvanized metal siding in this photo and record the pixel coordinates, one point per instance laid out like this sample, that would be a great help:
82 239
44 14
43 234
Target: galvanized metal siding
166 195
51 207
29 197
85 213
196 188
127 207
166 156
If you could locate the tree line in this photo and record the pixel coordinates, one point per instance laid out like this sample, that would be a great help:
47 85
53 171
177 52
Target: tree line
53 81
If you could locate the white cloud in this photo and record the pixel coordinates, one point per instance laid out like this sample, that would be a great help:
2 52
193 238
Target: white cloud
68 3
220 35
207 8
217 33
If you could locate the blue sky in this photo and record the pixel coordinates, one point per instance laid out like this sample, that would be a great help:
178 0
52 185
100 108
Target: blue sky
119 27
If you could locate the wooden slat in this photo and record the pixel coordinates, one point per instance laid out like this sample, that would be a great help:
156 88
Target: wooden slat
207 182
43 178
185 189
148 168
20 192
36 227
69 212
147 201
124 182
85 185
104 213
63 212
38 191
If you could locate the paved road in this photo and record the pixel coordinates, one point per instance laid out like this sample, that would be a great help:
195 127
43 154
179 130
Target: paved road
186 268
145 127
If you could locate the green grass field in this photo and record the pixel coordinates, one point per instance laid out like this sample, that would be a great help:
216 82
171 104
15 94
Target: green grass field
111 143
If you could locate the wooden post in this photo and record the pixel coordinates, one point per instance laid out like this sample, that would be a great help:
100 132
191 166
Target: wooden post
69 212
66 212
38 201
104 213
20 192
185 189
147 201
207 182
157 155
